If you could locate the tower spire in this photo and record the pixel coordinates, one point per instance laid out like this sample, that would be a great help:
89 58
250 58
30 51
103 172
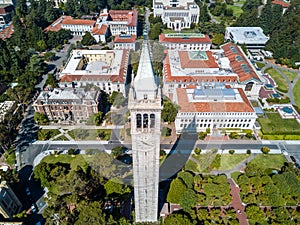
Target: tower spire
145 82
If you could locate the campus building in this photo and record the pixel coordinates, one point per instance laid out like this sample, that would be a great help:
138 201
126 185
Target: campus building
120 21
67 104
106 69
80 26
177 14
227 65
252 37
9 202
5 15
125 41
7 107
185 41
214 106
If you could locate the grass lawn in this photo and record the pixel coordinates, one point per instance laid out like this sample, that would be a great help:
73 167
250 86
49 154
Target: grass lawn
274 124
61 138
260 65
47 134
235 175
269 161
296 93
229 161
92 134
291 75
237 10
280 81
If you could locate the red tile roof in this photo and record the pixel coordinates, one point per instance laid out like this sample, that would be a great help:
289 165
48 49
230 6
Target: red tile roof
124 15
186 106
284 4
164 39
100 31
56 25
4 9
7 32
125 39
186 62
169 77
78 22
237 65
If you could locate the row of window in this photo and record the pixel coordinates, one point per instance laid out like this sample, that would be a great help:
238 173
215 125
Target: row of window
217 120
222 125
217 114
144 121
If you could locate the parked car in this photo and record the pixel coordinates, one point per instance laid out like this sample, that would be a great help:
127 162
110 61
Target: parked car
27 191
293 158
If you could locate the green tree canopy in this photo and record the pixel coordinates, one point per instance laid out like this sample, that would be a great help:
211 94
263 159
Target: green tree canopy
177 187
87 39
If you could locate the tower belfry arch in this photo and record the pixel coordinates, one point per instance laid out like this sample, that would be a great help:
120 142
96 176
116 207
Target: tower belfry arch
144 103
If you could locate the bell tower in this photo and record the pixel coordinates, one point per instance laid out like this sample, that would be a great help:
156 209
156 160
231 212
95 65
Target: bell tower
145 112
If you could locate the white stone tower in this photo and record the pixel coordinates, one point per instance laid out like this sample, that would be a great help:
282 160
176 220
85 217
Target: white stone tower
145 110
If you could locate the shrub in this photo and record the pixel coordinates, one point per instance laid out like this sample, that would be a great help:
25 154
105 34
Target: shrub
197 151
248 151
234 135
231 151
162 152
91 151
265 150
202 135
71 151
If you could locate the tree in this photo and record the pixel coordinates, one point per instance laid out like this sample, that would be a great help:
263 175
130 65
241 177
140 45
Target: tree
202 135
265 150
169 111
52 81
177 219
177 187
166 131
197 151
90 213
115 188
218 39
254 214
231 152
98 117
88 39
40 118
187 178
188 200
234 135
49 56
117 151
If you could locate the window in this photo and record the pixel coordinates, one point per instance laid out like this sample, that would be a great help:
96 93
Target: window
152 120
138 121
145 121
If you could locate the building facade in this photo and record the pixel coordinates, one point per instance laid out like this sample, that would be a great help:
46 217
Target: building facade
252 37
67 104
5 15
9 202
145 111
185 41
213 106
106 69
125 41
177 14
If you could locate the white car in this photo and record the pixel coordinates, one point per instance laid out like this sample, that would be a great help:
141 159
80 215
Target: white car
284 152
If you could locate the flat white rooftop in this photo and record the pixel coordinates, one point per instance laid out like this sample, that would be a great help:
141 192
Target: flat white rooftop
247 35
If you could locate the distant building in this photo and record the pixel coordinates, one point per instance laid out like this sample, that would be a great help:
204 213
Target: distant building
7 2
57 2
125 41
9 202
177 14
5 15
7 107
67 104
285 4
252 37
120 21
185 41
228 65
7 32
80 26
106 69
214 106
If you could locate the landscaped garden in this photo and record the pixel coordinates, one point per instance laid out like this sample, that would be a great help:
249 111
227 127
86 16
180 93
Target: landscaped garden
274 127
279 79
90 134
296 93
291 75
46 134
